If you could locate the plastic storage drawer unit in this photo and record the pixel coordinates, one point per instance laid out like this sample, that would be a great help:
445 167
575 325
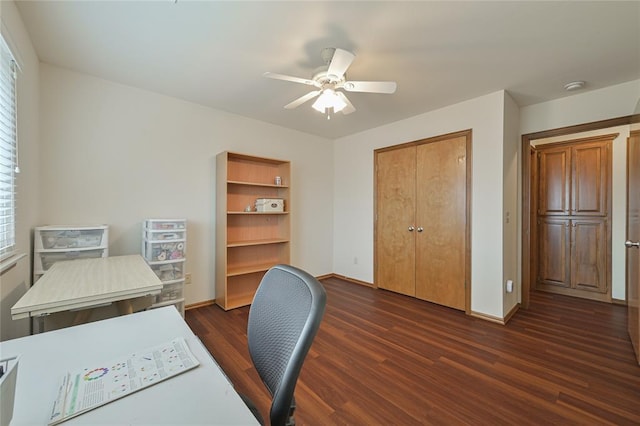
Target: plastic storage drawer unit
158 251
45 260
163 224
170 292
164 234
53 244
169 271
164 246
69 239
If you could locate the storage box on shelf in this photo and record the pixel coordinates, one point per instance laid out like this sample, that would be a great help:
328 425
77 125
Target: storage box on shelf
264 205
252 223
164 243
59 243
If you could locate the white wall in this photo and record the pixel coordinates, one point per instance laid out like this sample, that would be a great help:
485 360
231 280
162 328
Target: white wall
611 102
15 282
115 154
353 192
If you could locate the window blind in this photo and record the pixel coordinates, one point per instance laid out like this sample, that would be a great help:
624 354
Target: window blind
8 151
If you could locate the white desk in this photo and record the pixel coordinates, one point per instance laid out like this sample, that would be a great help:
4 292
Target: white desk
202 395
83 284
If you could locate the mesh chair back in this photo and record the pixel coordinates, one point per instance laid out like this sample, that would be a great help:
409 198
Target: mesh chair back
283 320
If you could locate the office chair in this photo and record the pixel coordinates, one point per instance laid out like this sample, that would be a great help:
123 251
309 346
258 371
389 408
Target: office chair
283 320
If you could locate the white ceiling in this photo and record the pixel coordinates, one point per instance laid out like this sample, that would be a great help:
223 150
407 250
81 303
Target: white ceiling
214 53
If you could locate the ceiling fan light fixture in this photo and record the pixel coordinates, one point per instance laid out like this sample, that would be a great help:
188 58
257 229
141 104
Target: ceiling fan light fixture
329 99
330 77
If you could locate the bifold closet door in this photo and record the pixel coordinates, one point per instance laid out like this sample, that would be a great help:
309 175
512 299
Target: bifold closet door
441 213
395 224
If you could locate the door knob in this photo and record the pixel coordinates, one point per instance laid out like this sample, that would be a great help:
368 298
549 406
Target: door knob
411 228
630 244
420 229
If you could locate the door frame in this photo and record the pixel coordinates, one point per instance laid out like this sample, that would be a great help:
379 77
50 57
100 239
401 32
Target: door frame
468 135
528 178
632 305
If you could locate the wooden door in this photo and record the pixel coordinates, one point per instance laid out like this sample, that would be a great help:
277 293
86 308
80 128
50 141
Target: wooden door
633 239
589 255
574 183
589 179
441 222
553 253
395 219
554 174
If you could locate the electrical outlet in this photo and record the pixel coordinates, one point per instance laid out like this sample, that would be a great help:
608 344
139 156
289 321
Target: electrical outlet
187 278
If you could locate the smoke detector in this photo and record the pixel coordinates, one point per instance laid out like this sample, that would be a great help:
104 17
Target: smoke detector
574 85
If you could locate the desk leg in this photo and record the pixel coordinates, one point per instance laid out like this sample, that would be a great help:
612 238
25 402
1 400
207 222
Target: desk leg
37 324
125 307
82 317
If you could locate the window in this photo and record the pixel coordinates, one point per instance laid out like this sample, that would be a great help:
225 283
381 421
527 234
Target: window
8 151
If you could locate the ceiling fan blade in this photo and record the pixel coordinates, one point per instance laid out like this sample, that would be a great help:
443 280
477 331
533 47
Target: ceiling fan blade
370 86
302 99
339 63
290 78
349 108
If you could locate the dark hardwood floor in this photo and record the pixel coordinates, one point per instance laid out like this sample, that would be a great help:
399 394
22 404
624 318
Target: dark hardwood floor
384 359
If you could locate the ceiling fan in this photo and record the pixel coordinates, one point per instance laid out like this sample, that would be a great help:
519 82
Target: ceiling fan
328 79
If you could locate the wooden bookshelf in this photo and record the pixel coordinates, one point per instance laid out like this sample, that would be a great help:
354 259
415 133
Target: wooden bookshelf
248 243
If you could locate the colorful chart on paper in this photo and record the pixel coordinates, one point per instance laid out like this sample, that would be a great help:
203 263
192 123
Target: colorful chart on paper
83 390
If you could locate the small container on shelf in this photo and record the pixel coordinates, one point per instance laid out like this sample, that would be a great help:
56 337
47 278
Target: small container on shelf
271 205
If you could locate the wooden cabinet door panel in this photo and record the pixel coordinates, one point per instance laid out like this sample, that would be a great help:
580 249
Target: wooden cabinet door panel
574 182
553 252
588 255
554 170
441 222
395 207
589 182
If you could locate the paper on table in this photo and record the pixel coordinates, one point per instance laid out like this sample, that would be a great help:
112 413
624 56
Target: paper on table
88 388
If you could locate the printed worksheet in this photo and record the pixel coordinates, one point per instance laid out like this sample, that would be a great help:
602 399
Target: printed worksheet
86 389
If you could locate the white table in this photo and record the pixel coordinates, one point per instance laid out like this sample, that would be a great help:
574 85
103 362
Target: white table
202 395
86 283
